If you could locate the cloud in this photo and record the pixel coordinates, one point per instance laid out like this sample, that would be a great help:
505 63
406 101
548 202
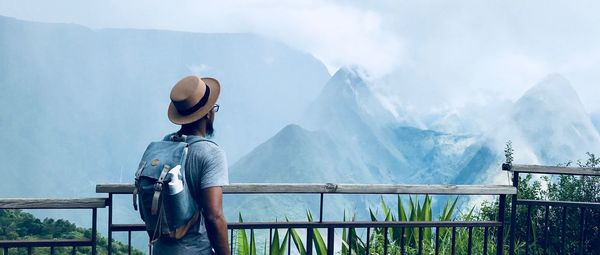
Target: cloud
199 69
457 52
338 35
335 33
435 53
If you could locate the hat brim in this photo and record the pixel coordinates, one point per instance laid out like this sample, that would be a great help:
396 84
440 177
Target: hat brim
215 91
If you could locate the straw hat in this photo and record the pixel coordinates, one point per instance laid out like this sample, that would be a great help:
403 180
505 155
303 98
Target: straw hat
192 98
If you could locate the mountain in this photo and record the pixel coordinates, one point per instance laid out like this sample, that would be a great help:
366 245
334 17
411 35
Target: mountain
350 138
347 136
438 157
347 99
79 105
554 123
448 122
296 155
350 113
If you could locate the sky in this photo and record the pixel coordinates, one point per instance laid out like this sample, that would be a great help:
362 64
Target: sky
423 54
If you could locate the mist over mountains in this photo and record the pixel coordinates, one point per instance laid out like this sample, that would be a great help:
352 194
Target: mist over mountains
347 136
80 105
554 123
596 120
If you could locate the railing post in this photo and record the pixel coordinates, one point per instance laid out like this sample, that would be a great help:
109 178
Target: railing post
309 238
94 230
330 237
513 215
110 207
582 231
500 238
321 209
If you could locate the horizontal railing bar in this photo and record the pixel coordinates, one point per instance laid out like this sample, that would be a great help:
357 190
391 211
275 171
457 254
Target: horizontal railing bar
373 189
332 224
558 203
537 169
115 188
291 188
52 203
46 243
361 224
127 227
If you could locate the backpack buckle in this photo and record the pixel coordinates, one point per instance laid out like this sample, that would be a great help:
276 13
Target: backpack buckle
158 186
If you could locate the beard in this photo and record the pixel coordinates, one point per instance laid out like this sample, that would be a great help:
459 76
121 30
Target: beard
209 128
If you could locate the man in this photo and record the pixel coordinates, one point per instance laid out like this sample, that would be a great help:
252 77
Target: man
193 106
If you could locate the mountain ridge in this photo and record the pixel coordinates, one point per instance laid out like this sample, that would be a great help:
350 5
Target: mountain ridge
554 121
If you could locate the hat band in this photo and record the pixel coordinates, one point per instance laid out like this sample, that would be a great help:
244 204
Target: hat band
197 106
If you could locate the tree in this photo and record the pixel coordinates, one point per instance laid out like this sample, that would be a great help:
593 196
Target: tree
19 225
555 188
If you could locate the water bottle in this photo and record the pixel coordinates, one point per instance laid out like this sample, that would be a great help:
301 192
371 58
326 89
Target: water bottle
176 183
179 206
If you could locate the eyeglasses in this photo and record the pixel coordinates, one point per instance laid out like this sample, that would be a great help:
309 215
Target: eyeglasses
215 108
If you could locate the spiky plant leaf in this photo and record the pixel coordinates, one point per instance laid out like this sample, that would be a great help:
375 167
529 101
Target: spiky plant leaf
317 238
242 241
414 214
373 217
401 211
297 240
387 215
275 243
450 212
344 244
284 243
427 216
252 243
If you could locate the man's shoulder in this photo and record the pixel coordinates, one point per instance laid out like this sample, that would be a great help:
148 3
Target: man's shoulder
204 144
205 148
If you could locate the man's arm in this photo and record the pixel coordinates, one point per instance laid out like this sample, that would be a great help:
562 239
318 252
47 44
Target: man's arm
216 225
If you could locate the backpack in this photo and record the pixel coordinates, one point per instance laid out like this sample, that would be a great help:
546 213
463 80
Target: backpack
165 202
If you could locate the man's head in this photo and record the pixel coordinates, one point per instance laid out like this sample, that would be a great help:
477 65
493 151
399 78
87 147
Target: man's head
193 103
204 125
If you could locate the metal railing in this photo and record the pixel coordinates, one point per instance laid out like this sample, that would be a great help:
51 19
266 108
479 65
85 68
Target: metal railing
490 229
581 207
47 203
331 226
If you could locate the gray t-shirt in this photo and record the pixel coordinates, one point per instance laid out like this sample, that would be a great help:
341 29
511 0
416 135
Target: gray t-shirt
206 167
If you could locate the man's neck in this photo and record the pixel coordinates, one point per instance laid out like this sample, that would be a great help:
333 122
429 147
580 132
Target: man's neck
198 132
196 128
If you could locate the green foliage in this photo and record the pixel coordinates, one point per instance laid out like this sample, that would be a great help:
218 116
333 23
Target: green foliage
298 242
243 247
276 247
351 241
557 188
318 241
354 242
409 238
19 225
508 152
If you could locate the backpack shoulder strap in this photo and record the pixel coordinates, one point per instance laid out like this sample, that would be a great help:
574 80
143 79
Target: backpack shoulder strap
201 140
185 138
